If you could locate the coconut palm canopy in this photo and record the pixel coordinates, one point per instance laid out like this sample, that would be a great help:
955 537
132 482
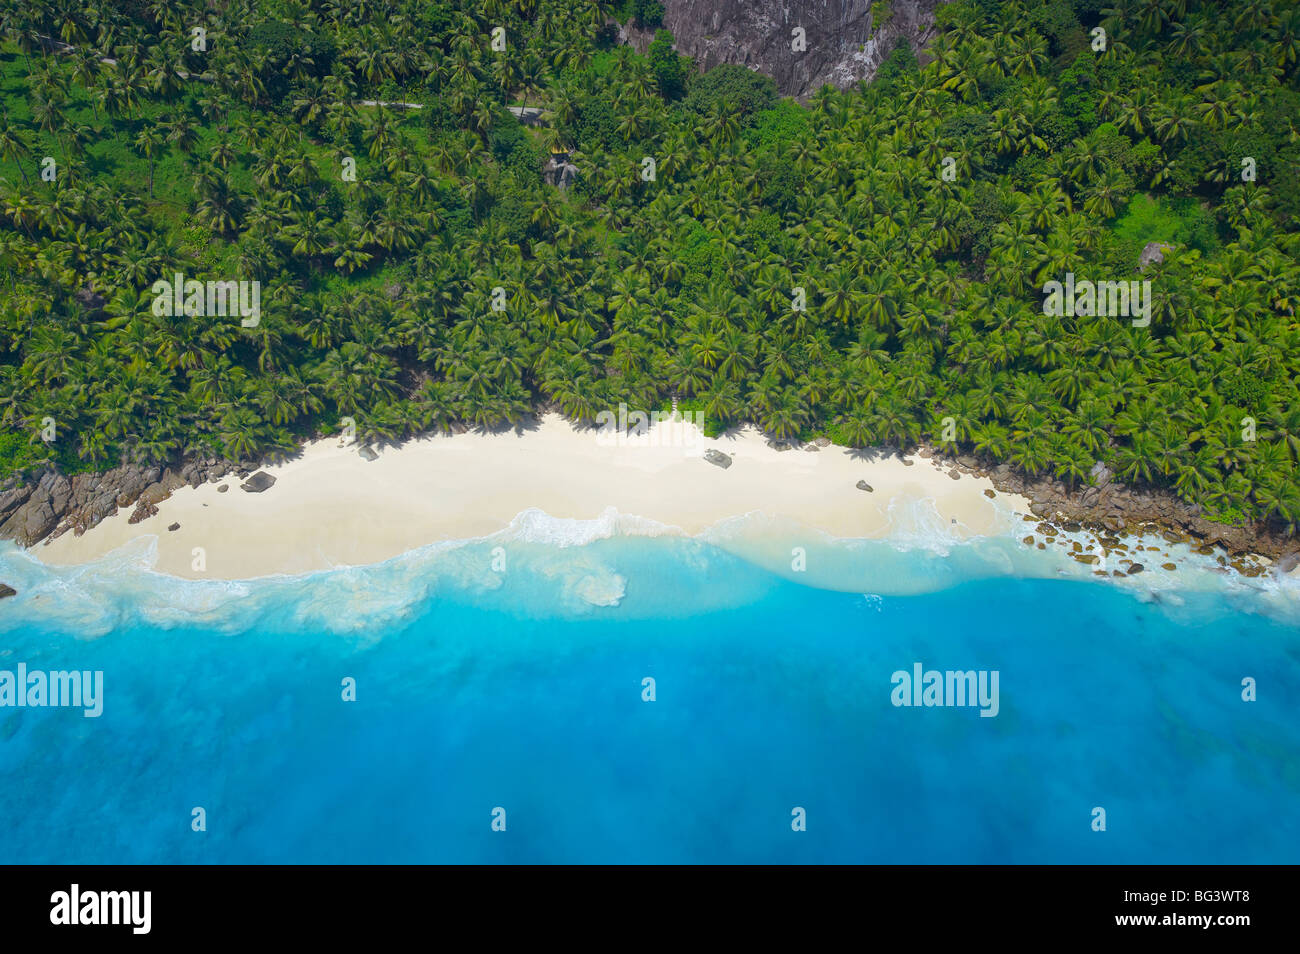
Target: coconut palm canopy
417 272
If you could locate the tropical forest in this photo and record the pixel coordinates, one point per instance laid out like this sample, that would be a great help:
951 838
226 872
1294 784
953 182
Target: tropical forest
461 213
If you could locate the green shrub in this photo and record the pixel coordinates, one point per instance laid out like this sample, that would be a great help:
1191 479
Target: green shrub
785 122
670 73
1176 221
734 89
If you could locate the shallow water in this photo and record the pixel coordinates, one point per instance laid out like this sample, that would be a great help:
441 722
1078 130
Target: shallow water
508 673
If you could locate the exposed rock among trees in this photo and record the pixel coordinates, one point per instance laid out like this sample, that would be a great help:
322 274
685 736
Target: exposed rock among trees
559 174
528 115
90 299
1152 253
844 45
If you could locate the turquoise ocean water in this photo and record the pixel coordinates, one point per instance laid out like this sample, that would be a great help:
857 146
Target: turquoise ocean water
513 678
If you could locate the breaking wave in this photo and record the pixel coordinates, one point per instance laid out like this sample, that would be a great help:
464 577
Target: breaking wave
544 564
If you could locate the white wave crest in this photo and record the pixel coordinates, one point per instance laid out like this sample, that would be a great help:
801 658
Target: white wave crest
922 553
537 526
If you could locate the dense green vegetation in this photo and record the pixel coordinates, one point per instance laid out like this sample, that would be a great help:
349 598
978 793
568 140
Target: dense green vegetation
924 295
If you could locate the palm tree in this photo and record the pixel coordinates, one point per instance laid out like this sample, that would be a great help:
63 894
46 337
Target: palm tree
13 146
149 143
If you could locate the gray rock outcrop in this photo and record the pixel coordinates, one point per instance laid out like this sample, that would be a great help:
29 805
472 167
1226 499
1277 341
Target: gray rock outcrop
46 503
1115 507
259 482
33 516
559 174
1153 253
844 45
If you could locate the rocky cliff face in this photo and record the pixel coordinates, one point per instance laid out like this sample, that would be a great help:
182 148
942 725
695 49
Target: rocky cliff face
843 44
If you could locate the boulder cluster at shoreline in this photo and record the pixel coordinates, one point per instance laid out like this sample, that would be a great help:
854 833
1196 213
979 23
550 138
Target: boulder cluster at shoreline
53 503
1108 508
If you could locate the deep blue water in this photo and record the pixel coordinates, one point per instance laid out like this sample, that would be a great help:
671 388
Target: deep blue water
478 690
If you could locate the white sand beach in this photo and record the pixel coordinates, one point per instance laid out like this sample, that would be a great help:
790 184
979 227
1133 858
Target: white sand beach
331 507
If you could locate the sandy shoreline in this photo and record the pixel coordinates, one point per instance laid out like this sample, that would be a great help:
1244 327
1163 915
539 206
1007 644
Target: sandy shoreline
330 507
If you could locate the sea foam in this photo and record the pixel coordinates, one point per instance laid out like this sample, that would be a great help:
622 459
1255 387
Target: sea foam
922 554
